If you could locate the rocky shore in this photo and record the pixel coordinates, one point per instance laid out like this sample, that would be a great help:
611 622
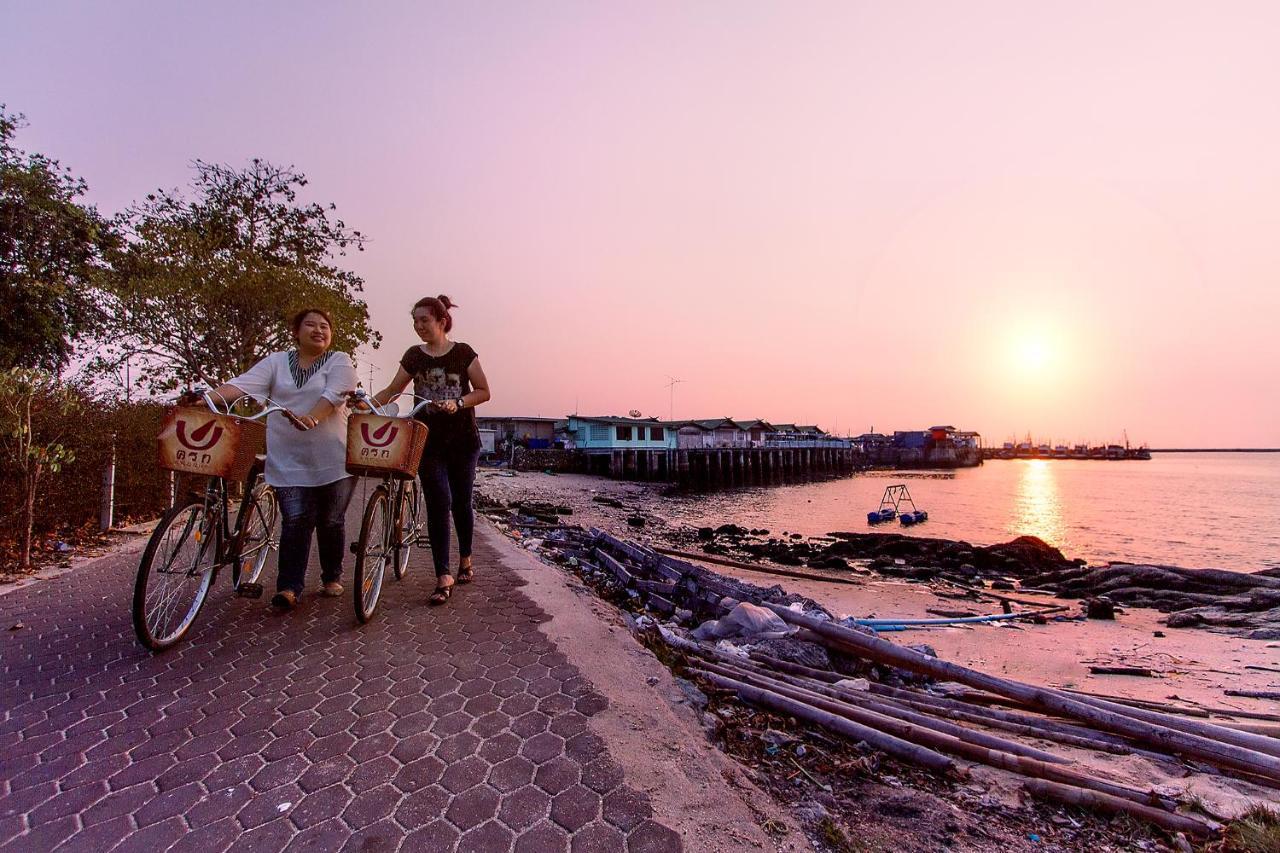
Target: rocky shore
828 790
1242 604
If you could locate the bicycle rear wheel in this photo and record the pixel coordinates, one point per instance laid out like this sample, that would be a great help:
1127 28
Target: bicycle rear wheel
410 525
374 552
259 526
174 576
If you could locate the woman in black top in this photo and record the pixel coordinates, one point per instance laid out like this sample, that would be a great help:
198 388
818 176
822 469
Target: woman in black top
449 373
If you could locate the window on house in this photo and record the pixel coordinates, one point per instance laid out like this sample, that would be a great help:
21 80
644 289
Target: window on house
624 433
599 432
657 434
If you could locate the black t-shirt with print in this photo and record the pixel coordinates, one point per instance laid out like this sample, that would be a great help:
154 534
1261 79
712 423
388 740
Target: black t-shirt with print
444 378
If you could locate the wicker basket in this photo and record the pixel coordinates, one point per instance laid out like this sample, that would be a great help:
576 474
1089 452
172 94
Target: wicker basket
198 441
379 446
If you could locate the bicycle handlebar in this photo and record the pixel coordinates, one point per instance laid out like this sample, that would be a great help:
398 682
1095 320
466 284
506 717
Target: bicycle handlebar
271 408
363 396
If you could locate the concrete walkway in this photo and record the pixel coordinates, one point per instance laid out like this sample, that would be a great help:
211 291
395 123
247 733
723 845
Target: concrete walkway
463 727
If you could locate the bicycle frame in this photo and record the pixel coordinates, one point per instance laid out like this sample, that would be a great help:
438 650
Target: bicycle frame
228 539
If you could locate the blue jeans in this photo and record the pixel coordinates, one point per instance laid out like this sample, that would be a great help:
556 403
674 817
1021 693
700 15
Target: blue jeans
447 483
304 509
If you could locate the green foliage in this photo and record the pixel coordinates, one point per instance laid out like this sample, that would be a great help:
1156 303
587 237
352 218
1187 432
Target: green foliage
50 255
202 285
36 409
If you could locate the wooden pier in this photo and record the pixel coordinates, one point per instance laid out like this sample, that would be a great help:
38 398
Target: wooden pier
727 467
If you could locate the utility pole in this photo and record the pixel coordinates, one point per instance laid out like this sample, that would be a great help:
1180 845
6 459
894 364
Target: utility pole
671 386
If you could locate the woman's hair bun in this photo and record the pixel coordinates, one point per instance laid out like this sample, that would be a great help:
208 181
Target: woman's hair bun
446 302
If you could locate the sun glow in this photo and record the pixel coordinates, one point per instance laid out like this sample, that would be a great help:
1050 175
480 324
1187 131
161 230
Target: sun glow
1034 349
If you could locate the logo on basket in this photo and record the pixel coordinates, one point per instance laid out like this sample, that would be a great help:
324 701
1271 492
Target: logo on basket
381 437
202 438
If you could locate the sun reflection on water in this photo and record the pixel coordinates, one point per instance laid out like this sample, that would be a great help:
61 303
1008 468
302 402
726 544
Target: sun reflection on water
1037 508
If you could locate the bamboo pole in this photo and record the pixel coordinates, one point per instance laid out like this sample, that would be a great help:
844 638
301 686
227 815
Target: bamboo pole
1162 737
1018 764
886 743
1103 802
766 570
1236 737
904 715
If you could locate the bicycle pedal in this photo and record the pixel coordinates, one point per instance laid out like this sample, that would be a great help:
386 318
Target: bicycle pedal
249 590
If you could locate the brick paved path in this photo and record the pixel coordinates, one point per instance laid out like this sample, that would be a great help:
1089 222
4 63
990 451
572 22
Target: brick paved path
453 728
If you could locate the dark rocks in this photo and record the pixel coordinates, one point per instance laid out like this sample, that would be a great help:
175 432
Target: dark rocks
636 520
706 533
1184 620
731 530
1263 634
608 501
1099 608
795 651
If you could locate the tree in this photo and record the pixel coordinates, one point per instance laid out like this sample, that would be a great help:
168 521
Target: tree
50 253
34 410
201 286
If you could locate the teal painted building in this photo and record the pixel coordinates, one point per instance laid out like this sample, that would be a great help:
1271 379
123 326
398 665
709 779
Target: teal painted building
607 433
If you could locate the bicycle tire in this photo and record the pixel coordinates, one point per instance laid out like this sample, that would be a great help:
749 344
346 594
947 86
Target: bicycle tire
373 551
409 528
170 545
259 534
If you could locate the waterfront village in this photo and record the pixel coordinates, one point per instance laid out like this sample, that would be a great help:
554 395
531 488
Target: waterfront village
650 448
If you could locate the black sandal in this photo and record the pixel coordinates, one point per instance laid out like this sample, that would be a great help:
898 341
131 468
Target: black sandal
440 595
465 574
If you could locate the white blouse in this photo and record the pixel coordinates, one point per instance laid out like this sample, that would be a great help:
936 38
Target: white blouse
314 457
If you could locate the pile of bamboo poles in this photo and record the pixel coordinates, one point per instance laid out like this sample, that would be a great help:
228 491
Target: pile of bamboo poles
942 733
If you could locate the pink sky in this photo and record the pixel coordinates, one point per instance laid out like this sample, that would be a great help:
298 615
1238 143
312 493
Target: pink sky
1012 217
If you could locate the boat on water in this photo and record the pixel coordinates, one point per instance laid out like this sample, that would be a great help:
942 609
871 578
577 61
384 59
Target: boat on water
1027 449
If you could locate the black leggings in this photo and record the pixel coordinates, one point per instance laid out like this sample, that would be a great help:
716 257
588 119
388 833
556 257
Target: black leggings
447 482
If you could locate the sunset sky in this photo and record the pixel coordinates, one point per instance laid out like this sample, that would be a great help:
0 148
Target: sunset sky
1056 218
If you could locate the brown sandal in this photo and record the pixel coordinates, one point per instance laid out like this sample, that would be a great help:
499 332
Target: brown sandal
440 595
465 574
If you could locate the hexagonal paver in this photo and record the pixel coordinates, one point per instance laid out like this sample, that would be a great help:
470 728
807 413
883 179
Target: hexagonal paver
456 728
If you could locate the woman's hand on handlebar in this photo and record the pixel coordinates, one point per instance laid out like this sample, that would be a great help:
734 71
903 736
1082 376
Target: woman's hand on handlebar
449 407
301 422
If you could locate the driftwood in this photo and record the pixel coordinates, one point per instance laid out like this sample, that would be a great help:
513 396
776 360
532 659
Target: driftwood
1019 764
961 620
1122 670
1118 722
1040 728
783 685
1253 694
886 743
796 668
766 570
1106 803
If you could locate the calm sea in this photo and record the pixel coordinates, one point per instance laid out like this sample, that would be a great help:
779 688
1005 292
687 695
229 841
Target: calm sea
1200 510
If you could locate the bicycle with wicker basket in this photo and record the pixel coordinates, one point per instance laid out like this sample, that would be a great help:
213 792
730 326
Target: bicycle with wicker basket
385 445
193 541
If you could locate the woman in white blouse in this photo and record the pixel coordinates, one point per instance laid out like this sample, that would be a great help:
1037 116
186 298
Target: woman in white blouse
306 462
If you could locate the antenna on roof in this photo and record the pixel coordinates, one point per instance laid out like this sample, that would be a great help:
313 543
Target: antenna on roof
671 412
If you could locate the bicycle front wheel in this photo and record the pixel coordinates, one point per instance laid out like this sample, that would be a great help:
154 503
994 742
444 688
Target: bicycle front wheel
373 552
174 576
259 526
410 526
